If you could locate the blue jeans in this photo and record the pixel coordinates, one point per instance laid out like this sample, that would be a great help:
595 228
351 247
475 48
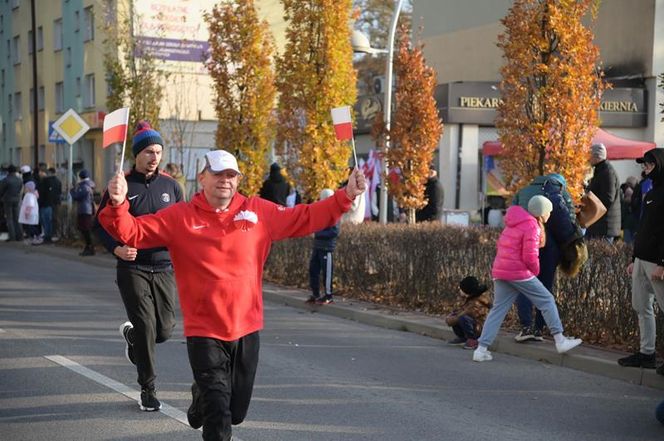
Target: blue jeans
505 293
465 327
46 219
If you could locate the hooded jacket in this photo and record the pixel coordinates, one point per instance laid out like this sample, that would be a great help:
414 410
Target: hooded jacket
606 186
83 194
649 241
218 255
275 188
517 256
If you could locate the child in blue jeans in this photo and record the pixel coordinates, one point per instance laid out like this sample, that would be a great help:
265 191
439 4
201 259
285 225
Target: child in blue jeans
466 321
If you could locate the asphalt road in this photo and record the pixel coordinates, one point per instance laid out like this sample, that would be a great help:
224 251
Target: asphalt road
63 376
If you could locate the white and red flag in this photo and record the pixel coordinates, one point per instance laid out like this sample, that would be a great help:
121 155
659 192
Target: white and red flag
343 124
115 126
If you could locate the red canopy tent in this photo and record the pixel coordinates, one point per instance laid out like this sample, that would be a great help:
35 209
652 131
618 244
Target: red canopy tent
616 147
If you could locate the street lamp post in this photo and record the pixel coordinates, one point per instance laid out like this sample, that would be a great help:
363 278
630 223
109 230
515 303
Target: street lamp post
360 43
387 114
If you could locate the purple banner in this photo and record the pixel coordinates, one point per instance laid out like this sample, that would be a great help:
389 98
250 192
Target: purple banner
173 49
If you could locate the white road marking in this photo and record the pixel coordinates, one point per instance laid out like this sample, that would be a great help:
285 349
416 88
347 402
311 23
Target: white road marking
125 390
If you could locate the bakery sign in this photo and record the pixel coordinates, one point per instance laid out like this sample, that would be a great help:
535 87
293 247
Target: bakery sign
476 102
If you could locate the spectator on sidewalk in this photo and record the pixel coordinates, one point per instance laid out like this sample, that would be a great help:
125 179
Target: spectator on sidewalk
275 188
515 271
466 320
145 275
29 213
606 186
561 231
10 194
647 268
219 242
435 196
322 259
83 194
49 188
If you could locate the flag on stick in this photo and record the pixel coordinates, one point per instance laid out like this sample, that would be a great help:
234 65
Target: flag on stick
115 126
343 126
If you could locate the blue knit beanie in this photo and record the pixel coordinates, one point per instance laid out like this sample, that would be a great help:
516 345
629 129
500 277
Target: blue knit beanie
145 136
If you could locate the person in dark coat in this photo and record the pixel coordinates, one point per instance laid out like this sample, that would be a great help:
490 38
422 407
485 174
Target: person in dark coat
83 194
49 188
10 194
561 233
606 186
435 196
275 188
647 267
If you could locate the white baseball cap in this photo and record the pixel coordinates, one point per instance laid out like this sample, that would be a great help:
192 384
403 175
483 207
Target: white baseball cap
219 160
25 169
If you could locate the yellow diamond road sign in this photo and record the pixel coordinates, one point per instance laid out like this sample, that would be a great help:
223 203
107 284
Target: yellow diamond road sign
71 126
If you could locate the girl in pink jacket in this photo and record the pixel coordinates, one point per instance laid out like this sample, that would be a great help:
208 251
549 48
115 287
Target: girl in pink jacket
515 271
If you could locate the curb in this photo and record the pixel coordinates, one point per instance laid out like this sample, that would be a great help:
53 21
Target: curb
586 358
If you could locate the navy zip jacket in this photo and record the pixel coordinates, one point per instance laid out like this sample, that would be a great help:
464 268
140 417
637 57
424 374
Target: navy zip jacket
145 196
326 239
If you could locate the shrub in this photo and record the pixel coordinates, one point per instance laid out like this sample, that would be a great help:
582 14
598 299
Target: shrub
418 267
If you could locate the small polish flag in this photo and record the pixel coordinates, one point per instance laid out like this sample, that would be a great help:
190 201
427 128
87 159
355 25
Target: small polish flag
343 124
115 126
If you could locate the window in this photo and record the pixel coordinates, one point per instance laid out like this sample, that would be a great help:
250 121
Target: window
2 78
77 91
2 23
57 35
40 98
89 96
88 24
30 47
77 21
40 38
59 97
9 49
15 4
18 106
16 50
68 57
32 100
10 101
109 8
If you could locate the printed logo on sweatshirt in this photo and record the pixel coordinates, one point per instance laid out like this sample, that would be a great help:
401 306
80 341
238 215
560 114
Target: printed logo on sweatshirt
131 198
198 227
165 197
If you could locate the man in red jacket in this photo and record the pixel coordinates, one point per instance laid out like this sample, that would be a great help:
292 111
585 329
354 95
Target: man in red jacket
218 243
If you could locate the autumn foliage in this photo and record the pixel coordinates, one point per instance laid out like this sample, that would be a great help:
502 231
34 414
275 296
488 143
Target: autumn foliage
240 66
551 89
314 75
416 127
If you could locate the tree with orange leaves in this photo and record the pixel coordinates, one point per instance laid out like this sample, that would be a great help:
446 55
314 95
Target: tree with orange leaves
551 91
415 127
314 75
240 64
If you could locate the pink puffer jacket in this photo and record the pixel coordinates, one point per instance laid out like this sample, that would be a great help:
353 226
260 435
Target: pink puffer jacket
517 256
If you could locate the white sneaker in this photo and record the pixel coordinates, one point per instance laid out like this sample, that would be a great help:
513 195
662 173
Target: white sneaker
481 355
567 344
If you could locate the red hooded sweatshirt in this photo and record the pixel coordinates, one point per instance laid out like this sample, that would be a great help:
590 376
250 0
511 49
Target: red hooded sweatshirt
218 255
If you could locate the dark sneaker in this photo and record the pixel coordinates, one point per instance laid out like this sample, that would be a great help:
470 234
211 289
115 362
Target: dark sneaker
194 416
326 300
526 334
459 341
312 299
471 343
87 252
660 369
126 331
149 401
537 335
639 360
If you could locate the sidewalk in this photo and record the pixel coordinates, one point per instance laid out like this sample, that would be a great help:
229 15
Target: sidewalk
585 358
